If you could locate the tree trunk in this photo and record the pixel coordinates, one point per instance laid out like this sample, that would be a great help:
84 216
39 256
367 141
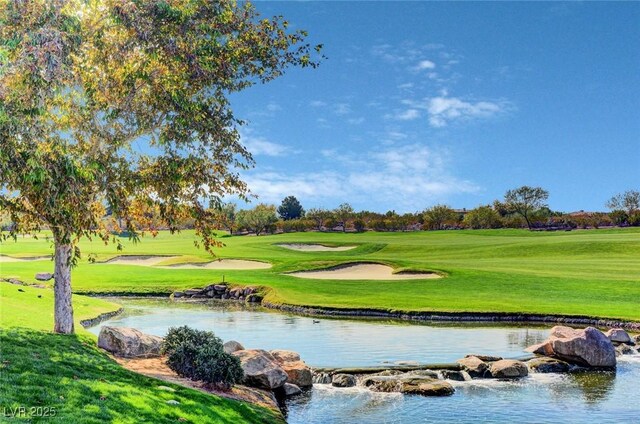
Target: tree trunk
63 310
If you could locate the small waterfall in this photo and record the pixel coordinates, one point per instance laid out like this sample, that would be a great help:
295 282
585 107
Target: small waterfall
321 378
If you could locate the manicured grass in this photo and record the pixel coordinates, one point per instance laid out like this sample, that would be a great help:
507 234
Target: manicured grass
73 381
594 273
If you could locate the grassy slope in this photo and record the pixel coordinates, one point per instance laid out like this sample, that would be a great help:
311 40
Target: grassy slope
594 273
82 384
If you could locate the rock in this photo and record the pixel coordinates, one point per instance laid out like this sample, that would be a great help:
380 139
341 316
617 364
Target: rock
283 356
424 386
474 366
430 388
129 342
545 364
236 292
588 347
543 348
637 339
44 276
298 373
15 281
220 287
618 335
454 375
254 298
192 292
172 402
291 389
166 388
232 346
177 294
422 373
249 290
261 369
387 384
485 358
343 380
624 349
508 368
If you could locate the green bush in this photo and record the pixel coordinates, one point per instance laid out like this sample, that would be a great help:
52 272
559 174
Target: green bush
199 355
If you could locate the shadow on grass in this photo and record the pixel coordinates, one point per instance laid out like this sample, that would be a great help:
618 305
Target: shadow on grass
84 385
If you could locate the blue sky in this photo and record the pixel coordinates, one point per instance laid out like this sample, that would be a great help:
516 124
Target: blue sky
421 103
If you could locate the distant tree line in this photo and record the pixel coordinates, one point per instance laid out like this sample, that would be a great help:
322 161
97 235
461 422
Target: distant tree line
522 207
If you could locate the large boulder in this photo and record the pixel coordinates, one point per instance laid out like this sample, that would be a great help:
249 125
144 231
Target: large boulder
343 380
44 276
416 385
232 346
298 372
261 369
291 389
474 366
508 368
618 335
544 364
587 348
129 342
427 388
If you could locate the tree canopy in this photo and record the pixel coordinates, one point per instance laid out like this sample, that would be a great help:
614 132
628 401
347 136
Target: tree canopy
124 105
290 208
629 201
525 201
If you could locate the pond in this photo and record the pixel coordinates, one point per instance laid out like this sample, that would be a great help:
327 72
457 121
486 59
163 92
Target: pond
323 342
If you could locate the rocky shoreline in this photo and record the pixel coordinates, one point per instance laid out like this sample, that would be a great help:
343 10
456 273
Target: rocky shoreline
255 295
455 316
90 322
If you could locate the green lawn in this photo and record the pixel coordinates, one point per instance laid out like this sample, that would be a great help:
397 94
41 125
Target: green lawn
70 376
594 273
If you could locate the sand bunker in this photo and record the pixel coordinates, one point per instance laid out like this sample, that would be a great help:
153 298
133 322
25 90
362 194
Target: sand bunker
362 272
25 259
217 264
223 264
315 247
138 260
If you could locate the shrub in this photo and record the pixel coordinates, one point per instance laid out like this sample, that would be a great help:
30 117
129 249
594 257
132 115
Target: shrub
199 355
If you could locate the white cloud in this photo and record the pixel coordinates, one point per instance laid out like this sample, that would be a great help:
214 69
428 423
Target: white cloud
443 110
342 109
424 64
406 177
408 115
259 146
317 103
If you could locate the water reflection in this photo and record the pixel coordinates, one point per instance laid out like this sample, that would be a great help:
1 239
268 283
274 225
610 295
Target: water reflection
326 342
595 386
540 398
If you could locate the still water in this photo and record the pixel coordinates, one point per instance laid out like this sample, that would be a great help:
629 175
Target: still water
539 398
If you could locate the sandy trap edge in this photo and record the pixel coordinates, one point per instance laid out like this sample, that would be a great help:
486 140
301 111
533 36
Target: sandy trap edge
154 260
4 258
314 247
363 271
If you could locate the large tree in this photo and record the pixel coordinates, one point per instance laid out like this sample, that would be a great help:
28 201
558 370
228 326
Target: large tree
258 219
290 208
123 104
525 201
629 201
439 216
343 214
